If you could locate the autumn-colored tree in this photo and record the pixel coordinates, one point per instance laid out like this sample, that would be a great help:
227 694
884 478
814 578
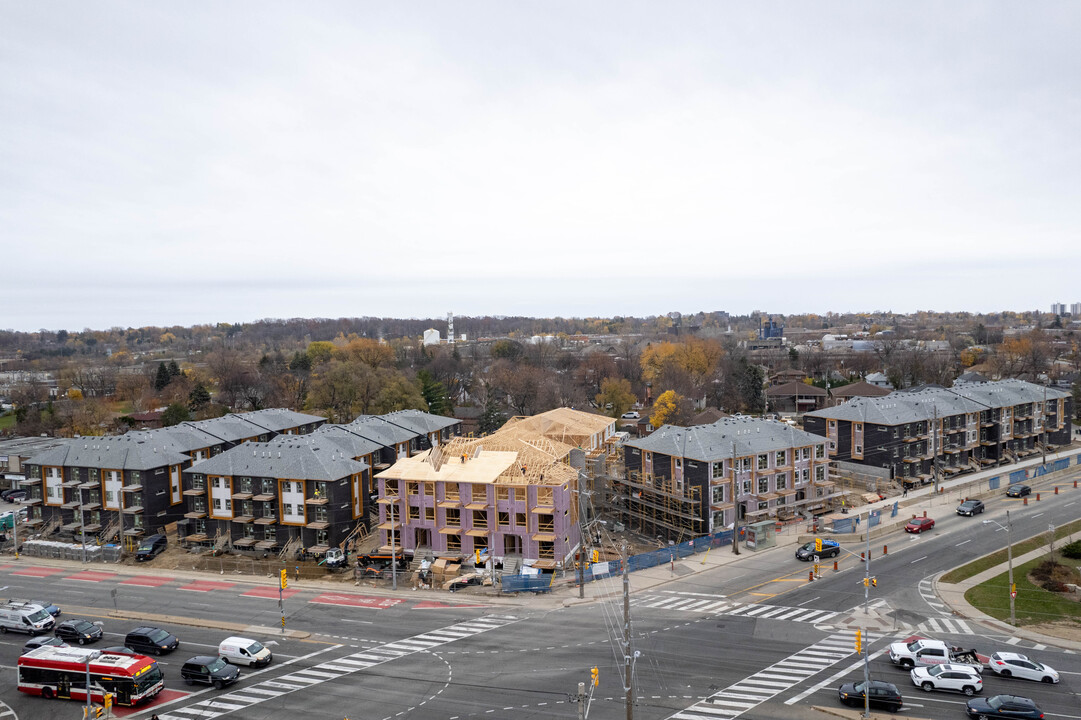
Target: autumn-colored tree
370 352
671 408
320 351
615 397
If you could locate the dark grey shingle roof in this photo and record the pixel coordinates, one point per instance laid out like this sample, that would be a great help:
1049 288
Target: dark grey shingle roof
303 459
133 451
418 421
717 441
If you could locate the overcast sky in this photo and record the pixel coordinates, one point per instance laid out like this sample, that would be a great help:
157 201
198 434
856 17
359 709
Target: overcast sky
186 162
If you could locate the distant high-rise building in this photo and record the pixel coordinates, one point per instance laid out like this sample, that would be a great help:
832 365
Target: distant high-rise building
1058 308
1075 309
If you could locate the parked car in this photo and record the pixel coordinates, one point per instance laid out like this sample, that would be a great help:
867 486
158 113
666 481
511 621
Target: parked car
960 678
970 507
1003 706
632 415
1018 490
830 548
15 495
6 495
151 641
882 694
41 641
209 670
150 547
49 607
1009 664
918 525
76 630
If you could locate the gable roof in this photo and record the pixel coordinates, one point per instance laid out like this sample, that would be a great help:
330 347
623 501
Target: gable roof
796 388
420 422
731 436
302 458
573 427
859 389
375 427
138 450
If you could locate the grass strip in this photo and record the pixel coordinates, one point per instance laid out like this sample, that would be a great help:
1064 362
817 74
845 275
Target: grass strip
998 557
1033 604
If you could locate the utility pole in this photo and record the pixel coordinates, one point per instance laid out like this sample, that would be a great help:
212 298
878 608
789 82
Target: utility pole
393 546
581 701
866 679
934 448
82 523
1009 560
735 505
1043 426
581 536
628 685
867 565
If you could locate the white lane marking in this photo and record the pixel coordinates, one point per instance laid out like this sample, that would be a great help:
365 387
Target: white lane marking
809 601
834 678
918 559
962 543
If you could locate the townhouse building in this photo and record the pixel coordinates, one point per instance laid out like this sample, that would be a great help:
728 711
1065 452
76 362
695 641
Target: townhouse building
686 481
299 490
965 427
125 486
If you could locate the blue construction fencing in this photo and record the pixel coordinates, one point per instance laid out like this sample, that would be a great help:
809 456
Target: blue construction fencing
874 518
528 583
993 483
1018 476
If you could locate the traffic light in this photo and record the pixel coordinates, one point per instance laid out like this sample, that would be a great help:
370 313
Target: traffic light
866 582
818 545
859 642
284 578
596 556
595 676
874 582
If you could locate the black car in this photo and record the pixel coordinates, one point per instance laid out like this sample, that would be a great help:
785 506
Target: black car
114 649
970 507
50 607
151 641
209 670
150 547
80 631
1003 706
1018 490
882 694
41 641
830 548
7 494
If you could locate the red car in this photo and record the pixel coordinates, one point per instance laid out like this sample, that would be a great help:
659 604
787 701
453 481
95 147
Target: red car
918 525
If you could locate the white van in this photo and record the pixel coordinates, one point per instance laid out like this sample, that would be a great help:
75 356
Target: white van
25 617
244 651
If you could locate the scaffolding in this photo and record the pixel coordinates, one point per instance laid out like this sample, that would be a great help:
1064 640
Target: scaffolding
658 506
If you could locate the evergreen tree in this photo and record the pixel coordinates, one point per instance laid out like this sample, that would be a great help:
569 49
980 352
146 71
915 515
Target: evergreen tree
174 415
174 370
162 378
434 393
492 418
198 398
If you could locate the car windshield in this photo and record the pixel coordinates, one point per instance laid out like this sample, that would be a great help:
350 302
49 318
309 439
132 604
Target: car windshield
146 546
858 687
968 503
148 679
84 626
255 648
39 616
994 702
216 664
158 636
936 670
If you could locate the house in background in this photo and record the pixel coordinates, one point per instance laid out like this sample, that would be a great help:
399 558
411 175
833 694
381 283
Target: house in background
862 388
795 397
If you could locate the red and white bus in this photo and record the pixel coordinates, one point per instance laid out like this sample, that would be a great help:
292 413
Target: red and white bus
59 671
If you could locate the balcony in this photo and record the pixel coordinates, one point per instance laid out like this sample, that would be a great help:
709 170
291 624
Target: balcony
195 514
241 496
265 497
317 500
133 510
195 492
267 520
131 488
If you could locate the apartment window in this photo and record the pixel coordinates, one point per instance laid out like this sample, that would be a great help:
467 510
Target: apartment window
832 424
429 513
288 508
502 520
480 519
75 474
454 517
216 482
763 461
544 496
763 505
414 512
454 543
745 464
502 493
820 451
134 475
717 494
110 496
746 488
93 474
859 427
517 494
450 491
217 504
245 485
781 457
270 532
820 474
780 500
781 481
519 520
247 508
391 487
717 469
763 486
228 504
859 449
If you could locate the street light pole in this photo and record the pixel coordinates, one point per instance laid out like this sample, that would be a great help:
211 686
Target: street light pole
93 654
1009 560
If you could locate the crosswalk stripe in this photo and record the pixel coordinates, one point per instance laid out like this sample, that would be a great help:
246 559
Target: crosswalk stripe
263 691
789 614
225 705
772 612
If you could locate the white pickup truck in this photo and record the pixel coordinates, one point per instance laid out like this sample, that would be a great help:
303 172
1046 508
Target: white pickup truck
925 652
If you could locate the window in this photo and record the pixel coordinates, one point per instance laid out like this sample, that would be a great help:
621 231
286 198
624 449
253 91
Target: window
454 517
820 474
820 452
287 508
859 450
745 464
414 512
717 469
480 519
832 424
520 520
429 513
502 493
763 485
763 461
450 491
110 496
763 505
217 504
782 456
781 500
502 520
717 492
228 504
746 488
216 482
859 427
781 481
270 532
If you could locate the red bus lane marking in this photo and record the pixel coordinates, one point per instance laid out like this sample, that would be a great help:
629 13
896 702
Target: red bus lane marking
206 586
269 592
376 603
92 576
36 571
147 581
435 605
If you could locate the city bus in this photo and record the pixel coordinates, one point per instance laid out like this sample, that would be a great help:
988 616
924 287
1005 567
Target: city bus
59 671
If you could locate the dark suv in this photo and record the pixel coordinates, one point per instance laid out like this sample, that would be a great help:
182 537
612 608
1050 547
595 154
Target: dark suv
882 694
970 507
150 547
209 670
1003 706
80 631
151 641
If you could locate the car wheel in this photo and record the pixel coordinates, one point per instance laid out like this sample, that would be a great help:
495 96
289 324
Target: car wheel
906 664
968 690
982 717
1006 673
218 685
189 681
82 641
928 686
3 629
1047 679
47 693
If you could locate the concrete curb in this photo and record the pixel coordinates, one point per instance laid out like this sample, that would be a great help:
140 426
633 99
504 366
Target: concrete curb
190 622
856 714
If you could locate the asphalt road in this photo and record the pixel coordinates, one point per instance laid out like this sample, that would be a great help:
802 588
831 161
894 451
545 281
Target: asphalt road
751 639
